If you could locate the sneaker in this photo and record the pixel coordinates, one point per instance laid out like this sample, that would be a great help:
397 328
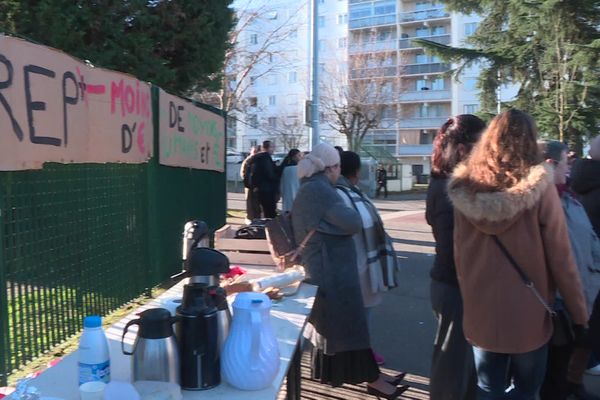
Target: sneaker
593 371
378 358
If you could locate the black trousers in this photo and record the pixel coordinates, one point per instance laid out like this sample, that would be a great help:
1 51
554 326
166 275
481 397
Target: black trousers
452 366
252 205
268 202
382 186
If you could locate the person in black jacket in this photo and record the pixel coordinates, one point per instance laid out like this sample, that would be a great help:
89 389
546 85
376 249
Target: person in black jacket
452 367
585 181
264 181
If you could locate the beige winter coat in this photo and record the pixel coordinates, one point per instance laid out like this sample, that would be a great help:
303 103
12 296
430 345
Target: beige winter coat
500 313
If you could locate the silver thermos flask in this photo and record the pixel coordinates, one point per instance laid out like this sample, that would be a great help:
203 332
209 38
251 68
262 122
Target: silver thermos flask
155 354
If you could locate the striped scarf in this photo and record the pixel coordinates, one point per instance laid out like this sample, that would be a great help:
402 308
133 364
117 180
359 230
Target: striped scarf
382 261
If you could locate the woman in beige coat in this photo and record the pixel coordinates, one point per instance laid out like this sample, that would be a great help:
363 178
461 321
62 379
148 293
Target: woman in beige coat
503 190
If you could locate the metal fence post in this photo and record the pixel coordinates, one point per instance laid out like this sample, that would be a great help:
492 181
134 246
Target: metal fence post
154 252
4 333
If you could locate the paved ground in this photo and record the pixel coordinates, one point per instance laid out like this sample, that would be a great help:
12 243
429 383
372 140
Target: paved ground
403 325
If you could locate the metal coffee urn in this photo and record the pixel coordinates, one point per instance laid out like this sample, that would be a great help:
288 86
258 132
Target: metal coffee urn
204 319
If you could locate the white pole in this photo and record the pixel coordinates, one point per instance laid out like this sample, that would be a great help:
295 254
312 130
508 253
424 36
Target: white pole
315 81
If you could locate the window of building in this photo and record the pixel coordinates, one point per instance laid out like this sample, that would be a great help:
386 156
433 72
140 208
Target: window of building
253 142
423 5
388 113
423 84
292 77
421 59
360 12
470 28
438 30
252 120
321 20
426 137
322 67
385 7
342 43
272 15
253 101
342 19
422 32
254 38
431 110
471 108
272 122
292 120
470 84
272 100
321 1
438 84
253 80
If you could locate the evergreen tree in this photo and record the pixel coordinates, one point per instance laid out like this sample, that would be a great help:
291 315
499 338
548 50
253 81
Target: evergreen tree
549 48
176 44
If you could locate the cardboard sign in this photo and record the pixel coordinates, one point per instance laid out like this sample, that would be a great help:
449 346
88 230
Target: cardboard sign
190 136
55 108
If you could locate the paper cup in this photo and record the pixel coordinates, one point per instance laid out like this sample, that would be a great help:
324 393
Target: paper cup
92 391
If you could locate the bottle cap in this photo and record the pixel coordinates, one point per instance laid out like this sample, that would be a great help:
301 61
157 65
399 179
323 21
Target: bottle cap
92 321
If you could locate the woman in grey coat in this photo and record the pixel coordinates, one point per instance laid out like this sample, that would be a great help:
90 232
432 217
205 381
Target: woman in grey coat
567 361
338 326
290 183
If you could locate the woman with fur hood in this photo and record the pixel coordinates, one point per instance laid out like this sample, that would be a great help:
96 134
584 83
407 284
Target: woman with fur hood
504 197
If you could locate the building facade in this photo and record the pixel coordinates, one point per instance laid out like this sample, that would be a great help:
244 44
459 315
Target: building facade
425 96
275 90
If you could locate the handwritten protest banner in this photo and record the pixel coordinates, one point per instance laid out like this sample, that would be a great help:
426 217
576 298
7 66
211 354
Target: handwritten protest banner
55 108
190 136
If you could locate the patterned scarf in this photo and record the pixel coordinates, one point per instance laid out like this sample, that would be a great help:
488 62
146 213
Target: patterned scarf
382 261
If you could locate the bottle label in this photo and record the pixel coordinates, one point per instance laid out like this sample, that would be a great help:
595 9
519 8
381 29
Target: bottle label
94 372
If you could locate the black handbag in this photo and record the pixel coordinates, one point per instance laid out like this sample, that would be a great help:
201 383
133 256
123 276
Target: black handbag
561 320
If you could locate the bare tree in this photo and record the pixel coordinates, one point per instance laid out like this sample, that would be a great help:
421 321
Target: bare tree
363 96
287 132
257 47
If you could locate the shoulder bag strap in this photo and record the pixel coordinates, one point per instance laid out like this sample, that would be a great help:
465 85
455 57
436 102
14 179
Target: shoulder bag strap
528 282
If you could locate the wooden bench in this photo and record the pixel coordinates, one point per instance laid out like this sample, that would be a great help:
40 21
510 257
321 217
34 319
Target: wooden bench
242 251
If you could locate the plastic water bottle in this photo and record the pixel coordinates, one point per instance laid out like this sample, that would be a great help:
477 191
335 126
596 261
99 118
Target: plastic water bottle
94 358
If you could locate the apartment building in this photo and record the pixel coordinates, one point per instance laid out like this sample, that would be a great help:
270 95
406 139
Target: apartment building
275 90
424 96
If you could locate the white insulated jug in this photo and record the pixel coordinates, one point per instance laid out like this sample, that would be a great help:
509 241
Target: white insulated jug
250 357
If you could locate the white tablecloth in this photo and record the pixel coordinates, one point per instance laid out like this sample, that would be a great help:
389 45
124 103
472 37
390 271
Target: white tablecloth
288 318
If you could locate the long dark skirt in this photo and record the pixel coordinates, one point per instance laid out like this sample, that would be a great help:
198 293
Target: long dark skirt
351 367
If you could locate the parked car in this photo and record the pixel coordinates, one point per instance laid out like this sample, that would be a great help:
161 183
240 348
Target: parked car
234 157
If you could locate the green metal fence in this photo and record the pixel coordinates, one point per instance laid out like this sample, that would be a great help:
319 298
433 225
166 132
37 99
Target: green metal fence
81 239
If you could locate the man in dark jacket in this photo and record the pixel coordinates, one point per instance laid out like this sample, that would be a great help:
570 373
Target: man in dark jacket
585 181
382 181
264 179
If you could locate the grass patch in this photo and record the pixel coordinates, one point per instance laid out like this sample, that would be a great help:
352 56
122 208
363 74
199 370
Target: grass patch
27 338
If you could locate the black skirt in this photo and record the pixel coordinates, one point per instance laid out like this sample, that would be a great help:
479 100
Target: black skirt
351 367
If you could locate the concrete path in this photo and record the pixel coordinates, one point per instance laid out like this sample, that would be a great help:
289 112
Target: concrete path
403 326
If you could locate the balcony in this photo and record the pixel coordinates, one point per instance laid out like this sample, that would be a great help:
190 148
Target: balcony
408 43
423 15
425 95
371 47
420 69
373 21
422 123
373 72
415 150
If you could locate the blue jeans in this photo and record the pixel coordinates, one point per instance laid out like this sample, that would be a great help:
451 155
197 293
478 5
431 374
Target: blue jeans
495 373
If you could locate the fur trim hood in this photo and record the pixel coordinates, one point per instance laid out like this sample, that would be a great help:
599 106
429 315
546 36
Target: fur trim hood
494 212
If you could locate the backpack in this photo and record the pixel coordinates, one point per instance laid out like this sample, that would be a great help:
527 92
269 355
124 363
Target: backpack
248 173
282 243
252 231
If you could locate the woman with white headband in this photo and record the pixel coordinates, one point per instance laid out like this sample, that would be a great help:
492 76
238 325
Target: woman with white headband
338 326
